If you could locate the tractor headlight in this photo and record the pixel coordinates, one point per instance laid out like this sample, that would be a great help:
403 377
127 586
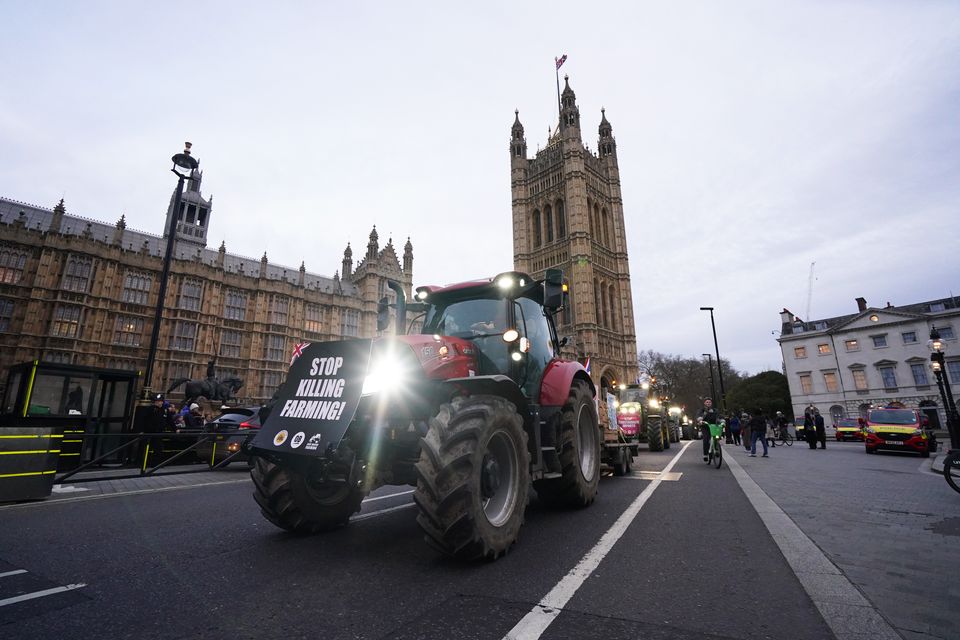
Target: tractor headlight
385 375
505 282
510 335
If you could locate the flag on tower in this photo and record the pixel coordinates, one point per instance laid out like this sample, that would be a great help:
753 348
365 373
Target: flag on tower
560 61
298 351
586 364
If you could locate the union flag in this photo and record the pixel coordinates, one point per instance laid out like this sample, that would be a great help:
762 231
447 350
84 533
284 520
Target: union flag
560 61
298 351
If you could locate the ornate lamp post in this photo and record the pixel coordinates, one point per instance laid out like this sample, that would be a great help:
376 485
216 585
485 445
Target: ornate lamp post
723 392
183 167
937 363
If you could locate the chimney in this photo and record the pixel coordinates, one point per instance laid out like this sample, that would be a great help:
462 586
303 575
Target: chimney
861 304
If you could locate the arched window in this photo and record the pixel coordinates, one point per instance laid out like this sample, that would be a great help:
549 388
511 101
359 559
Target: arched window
614 318
537 238
561 221
597 233
837 412
548 218
598 301
606 228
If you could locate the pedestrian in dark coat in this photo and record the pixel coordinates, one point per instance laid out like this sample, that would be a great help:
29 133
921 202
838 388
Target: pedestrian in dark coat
758 431
734 424
809 430
745 426
820 429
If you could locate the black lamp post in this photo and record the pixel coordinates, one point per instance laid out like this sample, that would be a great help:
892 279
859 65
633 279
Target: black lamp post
713 389
183 166
939 367
723 392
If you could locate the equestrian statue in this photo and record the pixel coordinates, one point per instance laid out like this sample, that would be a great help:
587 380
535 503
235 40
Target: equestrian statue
210 388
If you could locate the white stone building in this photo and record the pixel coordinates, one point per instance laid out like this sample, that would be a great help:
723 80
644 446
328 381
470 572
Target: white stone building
845 364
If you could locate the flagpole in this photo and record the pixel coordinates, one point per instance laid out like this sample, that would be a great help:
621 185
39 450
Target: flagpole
559 107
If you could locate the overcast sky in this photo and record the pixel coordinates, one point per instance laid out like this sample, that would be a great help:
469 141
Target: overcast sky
754 138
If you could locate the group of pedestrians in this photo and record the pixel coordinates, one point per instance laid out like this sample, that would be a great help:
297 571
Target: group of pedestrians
814 430
748 429
164 416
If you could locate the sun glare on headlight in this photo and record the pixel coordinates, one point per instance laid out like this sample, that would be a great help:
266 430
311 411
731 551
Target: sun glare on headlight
384 375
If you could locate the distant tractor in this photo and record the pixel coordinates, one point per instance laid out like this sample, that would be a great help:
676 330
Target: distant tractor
471 411
640 412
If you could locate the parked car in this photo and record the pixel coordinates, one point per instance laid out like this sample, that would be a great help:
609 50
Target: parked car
898 429
226 442
849 429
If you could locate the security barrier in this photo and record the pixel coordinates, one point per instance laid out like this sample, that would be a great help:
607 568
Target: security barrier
28 462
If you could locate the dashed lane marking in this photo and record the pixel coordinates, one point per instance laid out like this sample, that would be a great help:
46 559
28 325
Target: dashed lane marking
541 616
673 476
12 573
39 594
392 495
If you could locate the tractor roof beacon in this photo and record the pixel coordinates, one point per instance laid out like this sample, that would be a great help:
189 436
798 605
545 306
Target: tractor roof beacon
470 411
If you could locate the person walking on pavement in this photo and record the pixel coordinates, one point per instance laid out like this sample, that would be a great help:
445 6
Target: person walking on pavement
706 415
820 428
758 431
734 424
745 427
809 431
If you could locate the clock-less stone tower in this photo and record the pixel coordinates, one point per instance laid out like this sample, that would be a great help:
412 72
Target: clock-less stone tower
568 213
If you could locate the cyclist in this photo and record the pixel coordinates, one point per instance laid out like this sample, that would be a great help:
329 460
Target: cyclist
706 415
781 422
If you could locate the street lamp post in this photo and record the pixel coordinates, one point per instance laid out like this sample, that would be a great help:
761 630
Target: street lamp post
938 364
183 166
723 392
713 389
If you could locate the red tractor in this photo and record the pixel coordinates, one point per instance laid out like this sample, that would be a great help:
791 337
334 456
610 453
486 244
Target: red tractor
469 411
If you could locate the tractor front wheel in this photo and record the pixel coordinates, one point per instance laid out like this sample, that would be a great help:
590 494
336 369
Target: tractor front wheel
300 505
579 449
473 478
655 437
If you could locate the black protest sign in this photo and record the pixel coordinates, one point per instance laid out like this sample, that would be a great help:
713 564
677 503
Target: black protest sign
318 400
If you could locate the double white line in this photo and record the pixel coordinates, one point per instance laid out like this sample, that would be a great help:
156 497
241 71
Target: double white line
36 594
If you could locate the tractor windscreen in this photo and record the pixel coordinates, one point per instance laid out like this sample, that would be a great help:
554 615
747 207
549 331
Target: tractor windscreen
467 318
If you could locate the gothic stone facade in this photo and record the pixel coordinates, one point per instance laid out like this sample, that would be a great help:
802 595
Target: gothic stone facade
568 213
79 291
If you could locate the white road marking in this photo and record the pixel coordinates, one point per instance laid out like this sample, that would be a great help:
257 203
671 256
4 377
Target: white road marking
68 489
12 573
845 610
536 622
656 475
392 495
39 594
380 512
29 505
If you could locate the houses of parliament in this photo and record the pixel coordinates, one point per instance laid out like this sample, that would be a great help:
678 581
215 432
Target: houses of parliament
83 292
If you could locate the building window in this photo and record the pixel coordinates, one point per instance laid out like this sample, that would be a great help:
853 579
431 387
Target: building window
879 341
953 371
909 337
561 220
279 310
271 381
12 264
860 379
313 321
235 307
806 383
136 288
76 275
273 348
889 377
190 293
819 326
230 344
179 371
128 331
852 345
830 379
184 336
58 357
938 306
6 314
919 372
66 321
946 333
824 349
537 237
350 323
799 352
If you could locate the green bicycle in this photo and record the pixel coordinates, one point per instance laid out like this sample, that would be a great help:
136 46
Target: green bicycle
715 454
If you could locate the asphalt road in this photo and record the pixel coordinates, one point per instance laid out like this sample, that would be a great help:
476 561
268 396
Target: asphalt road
695 562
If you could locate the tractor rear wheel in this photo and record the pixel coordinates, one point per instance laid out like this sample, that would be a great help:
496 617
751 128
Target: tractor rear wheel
473 478
655 437
579 448
298 504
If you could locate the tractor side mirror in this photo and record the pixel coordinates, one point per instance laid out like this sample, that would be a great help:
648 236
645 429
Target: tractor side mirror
383 314
553 289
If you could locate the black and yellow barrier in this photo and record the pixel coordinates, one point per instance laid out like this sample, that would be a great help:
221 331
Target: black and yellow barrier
28 462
